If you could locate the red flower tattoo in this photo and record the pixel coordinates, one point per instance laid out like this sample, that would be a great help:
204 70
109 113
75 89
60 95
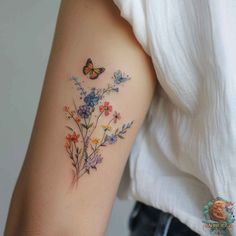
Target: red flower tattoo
72 137
116 117
106 108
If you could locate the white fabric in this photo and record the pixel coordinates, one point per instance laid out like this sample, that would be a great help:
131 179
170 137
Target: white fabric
185 153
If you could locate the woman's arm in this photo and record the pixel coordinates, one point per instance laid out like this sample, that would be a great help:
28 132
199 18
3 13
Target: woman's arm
86 123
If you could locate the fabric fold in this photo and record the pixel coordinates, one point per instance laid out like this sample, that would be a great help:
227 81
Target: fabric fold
184 155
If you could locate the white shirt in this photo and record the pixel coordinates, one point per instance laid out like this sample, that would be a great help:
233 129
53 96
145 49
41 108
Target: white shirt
185 153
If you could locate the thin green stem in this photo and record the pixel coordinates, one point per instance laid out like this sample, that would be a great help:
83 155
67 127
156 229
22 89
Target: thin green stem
95 126
102 140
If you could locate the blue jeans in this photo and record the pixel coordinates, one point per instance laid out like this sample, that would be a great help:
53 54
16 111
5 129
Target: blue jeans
148 221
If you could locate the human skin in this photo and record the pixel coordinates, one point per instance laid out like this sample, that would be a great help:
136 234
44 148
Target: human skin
46 201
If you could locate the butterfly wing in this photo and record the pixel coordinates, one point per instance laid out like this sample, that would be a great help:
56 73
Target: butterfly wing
120 78
96 72
88 68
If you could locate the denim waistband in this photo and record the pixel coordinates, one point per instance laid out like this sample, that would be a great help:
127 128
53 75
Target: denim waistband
149 221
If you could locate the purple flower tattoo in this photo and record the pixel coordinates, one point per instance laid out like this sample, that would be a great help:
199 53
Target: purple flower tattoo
112 139
84 111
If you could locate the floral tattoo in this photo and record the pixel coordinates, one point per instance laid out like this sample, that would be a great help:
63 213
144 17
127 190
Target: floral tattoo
83 148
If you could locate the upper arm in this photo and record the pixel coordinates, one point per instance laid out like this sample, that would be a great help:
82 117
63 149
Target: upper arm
74 136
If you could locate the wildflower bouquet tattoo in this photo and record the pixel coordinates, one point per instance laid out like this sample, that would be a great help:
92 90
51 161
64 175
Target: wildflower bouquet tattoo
83 148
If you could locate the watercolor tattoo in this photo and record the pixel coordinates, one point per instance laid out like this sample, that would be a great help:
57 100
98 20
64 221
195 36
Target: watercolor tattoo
83 148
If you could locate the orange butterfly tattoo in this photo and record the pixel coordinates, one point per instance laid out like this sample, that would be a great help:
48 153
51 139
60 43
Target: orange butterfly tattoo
89 69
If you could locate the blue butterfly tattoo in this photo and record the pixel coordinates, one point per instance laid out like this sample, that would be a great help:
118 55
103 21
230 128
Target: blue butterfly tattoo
120 77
